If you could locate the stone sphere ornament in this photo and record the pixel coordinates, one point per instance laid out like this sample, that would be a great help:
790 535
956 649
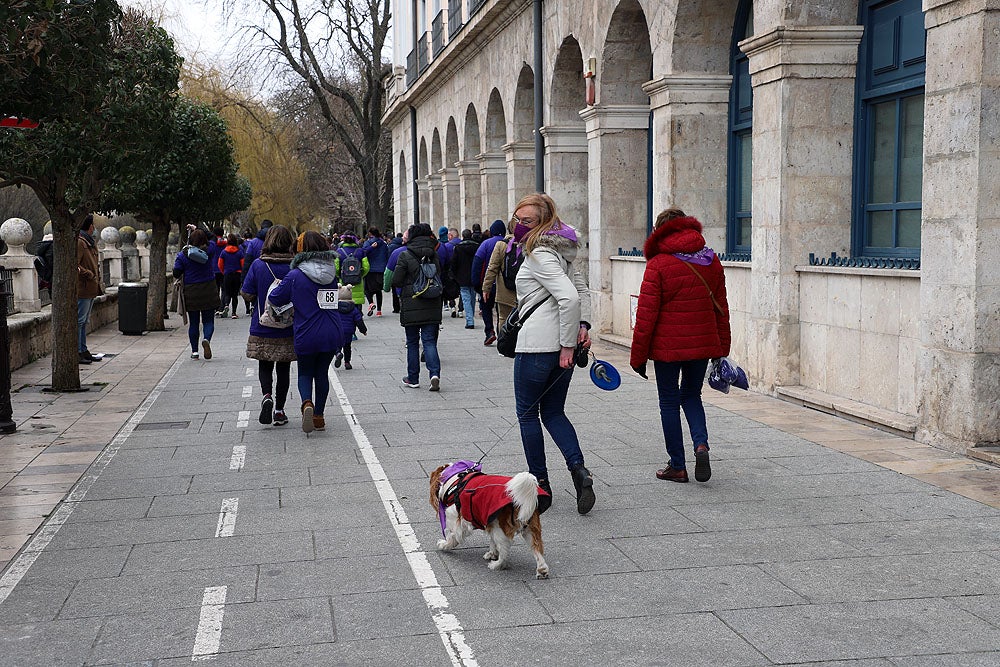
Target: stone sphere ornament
141 238
110 236
16 232
127 235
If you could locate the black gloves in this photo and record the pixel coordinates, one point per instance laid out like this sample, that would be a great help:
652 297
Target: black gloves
641 371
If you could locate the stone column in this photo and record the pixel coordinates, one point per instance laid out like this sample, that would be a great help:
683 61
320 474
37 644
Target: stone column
470 183
130 254
142 241
690 151
803 135
959 358
520 158
493 169
566 177
436 214
16 232
424 194
111 257
452 198
616 192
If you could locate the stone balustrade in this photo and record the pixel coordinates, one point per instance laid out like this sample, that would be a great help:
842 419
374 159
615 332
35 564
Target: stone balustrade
16 233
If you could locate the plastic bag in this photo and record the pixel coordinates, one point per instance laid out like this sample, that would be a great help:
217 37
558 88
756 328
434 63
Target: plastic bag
724 373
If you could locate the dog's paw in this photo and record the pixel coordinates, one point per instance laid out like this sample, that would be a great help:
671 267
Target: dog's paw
491 555
443 545
497 565
542 573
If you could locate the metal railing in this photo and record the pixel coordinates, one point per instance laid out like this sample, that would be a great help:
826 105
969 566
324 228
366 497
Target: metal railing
7 286
411 67
454 18
474 6
911 264
437 34
422 59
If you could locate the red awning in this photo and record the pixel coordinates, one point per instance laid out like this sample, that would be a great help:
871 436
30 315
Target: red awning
21 123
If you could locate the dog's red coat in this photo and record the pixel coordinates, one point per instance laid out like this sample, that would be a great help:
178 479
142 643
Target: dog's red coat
484 496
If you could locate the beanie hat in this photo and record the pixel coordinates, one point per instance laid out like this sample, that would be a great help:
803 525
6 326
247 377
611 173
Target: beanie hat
498 228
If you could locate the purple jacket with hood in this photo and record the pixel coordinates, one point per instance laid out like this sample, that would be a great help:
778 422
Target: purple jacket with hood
316 329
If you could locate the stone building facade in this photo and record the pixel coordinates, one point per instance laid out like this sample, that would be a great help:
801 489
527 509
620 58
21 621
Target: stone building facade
843 154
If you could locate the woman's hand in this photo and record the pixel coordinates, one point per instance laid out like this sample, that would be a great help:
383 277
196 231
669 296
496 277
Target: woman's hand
584 337
566 356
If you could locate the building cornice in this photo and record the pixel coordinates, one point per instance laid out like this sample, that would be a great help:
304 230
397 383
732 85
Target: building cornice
688 89
803 52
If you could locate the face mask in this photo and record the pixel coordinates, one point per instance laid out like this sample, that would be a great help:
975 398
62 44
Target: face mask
520 231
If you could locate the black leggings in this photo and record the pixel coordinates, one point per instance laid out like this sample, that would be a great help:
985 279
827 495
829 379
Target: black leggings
265 371
233 281
373 289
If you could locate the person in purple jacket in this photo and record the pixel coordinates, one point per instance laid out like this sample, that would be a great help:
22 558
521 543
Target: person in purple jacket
270 346
231 264
195 263
311 287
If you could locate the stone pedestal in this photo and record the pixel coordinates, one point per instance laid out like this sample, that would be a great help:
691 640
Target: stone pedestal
493 169
16 232
130 255
452 198
470 183
520 158
959 357
111 257
142 242
803 136
616 136
690 152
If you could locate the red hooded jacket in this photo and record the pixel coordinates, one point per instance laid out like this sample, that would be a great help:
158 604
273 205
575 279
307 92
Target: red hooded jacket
676 319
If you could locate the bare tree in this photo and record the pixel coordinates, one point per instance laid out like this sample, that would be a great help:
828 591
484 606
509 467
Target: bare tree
335 48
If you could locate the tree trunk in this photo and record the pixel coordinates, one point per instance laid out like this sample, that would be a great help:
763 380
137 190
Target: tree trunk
157 303
65 335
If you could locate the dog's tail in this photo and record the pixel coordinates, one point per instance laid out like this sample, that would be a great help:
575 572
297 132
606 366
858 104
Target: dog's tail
523 490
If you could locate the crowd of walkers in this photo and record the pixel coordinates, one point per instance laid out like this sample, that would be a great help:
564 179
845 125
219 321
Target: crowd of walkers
308 298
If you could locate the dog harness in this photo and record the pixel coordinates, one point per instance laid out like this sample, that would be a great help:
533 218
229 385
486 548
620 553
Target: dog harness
452 482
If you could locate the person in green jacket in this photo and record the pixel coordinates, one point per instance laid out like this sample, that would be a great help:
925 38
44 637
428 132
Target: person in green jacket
348 247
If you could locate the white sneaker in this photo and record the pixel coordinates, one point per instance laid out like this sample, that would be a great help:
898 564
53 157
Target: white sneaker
411 385
435 383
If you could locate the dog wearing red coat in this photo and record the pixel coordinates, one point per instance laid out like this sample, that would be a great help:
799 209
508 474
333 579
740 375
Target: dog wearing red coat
467 499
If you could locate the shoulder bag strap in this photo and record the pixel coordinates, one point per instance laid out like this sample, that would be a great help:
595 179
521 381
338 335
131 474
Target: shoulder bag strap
525 316
705 283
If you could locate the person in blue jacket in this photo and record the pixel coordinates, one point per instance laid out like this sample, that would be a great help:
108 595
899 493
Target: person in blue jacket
377 251
311 287
487 301
395 244
195 263
256 244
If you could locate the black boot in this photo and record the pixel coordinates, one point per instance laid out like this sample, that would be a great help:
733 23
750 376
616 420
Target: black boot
584 483
544 502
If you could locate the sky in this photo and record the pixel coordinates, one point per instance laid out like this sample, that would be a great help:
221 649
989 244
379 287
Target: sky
197 26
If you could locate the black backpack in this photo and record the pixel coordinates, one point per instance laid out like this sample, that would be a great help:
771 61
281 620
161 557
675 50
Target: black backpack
512 261
350 270
427 284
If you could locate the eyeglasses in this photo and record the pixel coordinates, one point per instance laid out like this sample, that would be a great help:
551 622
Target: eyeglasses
522 221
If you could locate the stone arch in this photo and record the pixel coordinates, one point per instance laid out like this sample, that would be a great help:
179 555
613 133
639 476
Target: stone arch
524 105
627 59
450 179
403 187
473 142
469 176
436 159
492 163
567 94
520 152
702 33
435 182
451 156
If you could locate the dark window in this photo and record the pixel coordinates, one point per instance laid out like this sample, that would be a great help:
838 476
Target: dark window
740 190
889 130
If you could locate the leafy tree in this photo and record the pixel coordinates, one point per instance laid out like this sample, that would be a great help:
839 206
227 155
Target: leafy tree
121 98
193 178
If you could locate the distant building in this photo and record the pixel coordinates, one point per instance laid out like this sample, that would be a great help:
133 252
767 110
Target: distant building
795 130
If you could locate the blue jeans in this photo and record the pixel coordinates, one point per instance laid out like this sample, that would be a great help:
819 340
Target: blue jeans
686 395
207 318
540 388
489 307
469 304
83 308
427 334
315 369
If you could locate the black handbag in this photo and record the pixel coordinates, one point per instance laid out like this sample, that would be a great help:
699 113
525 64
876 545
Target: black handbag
507 336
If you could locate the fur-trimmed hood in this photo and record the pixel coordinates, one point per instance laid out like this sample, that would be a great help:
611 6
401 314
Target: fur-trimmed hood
277 258
561 239
320 266
680 235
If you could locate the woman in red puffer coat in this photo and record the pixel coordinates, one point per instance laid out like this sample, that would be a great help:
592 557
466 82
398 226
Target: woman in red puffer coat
682 322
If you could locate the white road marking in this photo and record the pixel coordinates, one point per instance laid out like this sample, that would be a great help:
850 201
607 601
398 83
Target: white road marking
449 629
34 547
243 420
227 517
249 372
247 391
238 458
213 606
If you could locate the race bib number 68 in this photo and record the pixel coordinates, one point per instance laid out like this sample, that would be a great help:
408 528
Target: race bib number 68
328 299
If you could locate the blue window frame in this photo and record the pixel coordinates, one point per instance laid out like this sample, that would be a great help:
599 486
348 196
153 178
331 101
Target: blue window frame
739 223
888 140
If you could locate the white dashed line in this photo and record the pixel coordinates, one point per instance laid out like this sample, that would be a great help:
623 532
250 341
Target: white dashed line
213 606
243 420
227 517
249 372
449 629
238 458
247 391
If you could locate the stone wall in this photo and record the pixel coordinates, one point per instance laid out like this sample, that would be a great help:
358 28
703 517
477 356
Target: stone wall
31 333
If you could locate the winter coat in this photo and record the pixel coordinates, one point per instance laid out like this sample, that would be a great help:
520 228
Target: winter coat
377 251
351 318
88 275
676 319
483 496
547 275
46 259
415 311
316 329
343 252
390 268
257 280
495 277
195 270
230 260
462 258
253 248
497 231
220 247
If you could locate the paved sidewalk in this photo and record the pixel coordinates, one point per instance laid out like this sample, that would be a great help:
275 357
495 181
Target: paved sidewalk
207 535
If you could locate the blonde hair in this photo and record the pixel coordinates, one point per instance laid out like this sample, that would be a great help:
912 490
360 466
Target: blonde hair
669 214
547 217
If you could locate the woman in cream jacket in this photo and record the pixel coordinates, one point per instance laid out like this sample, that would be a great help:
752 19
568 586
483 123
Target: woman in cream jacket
548 340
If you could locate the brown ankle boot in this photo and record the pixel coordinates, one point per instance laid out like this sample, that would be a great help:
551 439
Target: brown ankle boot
319 423
307 417
671 475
